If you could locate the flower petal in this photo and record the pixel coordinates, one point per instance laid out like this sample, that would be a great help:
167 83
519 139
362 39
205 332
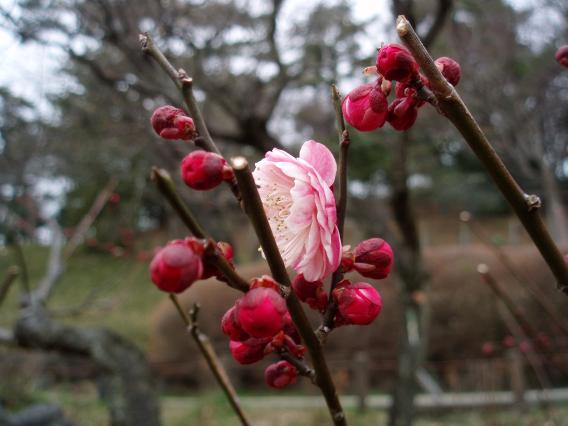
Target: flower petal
321 158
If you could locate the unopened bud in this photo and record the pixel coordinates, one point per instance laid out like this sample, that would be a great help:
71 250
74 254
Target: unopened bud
394 62
365 108
261 312
202 170
449 69
358 303
175 267
373 258
280 374
173 123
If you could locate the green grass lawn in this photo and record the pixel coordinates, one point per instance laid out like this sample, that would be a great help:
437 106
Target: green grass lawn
211 409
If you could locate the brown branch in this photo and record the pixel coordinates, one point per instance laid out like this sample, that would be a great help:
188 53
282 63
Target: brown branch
341 208
255 211
167 188
10 277
185 84
303 368
206 348
452 106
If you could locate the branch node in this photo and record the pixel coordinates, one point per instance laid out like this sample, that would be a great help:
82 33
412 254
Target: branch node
533 201
285 291
145 41
184 78
402 25
239 163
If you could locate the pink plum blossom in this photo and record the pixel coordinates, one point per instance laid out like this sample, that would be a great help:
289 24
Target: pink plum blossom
300 207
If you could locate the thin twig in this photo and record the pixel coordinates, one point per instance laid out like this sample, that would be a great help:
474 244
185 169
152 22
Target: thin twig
517 323
511 306
10 277
303 368
344 142
210 356
520 277
452 106
185 84
255 211
167 188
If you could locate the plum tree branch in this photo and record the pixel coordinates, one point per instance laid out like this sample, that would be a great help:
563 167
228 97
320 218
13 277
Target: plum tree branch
167 188
341 204
206 348
452 106
255 211
185 84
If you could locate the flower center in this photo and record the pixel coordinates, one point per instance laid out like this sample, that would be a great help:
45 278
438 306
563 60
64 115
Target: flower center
278 204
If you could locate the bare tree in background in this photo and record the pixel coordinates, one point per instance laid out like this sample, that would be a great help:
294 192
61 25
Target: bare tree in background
410 262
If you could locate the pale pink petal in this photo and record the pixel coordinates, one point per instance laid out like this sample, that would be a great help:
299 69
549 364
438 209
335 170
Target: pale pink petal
321 158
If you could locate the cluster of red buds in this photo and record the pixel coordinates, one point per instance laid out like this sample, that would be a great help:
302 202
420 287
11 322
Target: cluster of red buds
357 303
180 263
366 108
259 324
200 170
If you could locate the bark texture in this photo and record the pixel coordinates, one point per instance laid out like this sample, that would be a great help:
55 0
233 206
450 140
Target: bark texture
124 381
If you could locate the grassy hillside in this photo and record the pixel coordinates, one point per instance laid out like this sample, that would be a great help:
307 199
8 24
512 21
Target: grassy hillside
122 299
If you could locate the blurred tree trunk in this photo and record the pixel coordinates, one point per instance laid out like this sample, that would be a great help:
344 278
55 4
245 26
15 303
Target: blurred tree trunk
409 262
125 383
409 266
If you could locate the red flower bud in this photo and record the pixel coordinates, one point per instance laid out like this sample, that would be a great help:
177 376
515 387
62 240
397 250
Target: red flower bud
173 123
209 270
204 170
261 312
309 292
266 282
232 328
402 113
358 303
373 258
175 267
487 348
394 62
114 198
404 90
509 341
290 328
249 351
280 374
365 107
562 55
449 69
